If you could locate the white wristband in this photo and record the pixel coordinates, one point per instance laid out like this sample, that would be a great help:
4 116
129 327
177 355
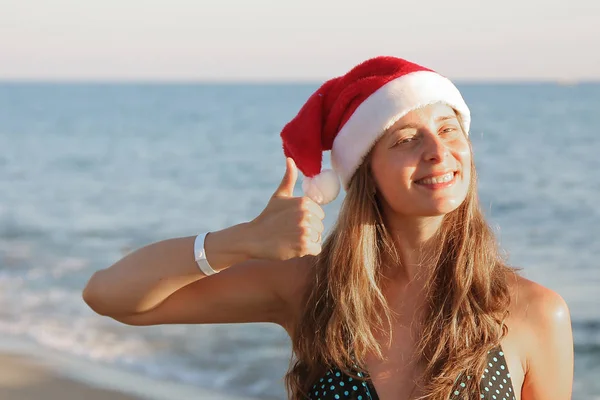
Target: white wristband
200 255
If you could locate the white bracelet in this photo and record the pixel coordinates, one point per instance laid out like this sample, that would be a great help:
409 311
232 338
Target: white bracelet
200 255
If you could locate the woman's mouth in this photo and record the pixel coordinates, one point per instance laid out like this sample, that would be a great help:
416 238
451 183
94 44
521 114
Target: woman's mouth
438 182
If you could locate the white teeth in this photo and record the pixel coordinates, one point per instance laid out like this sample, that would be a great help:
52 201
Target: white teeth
438 179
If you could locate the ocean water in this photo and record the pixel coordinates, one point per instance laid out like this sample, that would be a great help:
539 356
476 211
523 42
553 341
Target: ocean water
90 171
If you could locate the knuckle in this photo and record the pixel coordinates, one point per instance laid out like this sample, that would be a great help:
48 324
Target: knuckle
304 242
304 231
307 217
301 201
305 203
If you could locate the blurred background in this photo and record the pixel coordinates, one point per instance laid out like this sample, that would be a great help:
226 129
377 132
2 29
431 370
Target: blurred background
124 123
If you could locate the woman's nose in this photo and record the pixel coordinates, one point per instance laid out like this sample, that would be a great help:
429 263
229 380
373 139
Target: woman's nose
435 148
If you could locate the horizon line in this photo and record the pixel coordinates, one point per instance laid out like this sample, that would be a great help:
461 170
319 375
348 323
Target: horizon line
289 81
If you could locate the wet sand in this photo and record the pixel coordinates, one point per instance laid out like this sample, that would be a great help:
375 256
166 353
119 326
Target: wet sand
22 378
25 376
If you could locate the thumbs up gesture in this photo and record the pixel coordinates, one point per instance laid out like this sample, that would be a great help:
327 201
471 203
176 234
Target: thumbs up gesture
288 226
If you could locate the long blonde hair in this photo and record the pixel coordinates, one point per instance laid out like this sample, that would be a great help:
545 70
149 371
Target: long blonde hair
467 296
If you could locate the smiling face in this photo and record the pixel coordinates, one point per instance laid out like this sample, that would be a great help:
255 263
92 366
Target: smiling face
425 143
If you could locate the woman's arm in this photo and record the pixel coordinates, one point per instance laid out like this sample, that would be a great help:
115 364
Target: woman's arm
251 291
161 283
141 280
549 370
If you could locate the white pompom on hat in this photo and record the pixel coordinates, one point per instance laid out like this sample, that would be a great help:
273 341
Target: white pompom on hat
348 114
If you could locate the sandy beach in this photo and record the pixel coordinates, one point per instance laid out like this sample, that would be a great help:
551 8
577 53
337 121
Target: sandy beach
23 378
25 375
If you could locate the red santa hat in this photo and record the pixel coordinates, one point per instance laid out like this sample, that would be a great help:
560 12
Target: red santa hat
348 114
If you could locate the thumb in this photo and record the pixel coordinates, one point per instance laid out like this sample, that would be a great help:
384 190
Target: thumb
286 187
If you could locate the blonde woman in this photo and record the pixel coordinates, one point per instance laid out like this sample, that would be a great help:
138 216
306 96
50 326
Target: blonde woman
406 298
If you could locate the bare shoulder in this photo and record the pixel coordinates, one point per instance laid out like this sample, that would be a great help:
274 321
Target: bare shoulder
541 331
537 306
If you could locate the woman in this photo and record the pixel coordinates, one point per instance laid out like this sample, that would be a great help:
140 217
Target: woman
407 297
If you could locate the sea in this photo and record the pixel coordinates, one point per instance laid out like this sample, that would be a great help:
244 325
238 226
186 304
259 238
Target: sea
91 171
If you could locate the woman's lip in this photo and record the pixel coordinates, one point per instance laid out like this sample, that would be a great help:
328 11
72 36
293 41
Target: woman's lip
439 185
436 175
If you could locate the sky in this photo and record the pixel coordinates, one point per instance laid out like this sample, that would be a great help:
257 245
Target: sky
291 40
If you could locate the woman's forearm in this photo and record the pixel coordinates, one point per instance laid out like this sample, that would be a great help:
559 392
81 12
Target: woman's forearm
144 278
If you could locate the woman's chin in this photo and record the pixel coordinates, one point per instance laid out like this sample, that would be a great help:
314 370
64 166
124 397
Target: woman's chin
426 207
441 207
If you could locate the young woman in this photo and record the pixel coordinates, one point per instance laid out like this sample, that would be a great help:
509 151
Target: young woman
407 297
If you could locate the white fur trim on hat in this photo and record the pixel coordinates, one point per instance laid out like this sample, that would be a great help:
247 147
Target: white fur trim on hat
385 107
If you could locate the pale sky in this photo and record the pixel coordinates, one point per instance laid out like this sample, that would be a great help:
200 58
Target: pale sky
295 40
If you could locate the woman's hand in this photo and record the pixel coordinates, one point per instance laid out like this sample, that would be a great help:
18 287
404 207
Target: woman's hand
288 226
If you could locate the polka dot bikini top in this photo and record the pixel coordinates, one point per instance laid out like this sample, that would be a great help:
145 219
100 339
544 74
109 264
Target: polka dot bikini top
335 385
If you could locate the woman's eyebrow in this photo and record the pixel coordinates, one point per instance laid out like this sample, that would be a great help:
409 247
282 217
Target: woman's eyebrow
416 126
405 126
445 118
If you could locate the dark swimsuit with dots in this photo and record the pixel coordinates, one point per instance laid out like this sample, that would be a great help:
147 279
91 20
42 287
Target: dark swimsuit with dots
495 384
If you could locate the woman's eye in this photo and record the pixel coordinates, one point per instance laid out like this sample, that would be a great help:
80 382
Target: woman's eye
402 141
449 129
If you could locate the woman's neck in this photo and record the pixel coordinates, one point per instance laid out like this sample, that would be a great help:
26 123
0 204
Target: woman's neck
413 238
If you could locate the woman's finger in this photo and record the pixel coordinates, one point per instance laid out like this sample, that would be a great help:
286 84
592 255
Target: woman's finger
316 223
